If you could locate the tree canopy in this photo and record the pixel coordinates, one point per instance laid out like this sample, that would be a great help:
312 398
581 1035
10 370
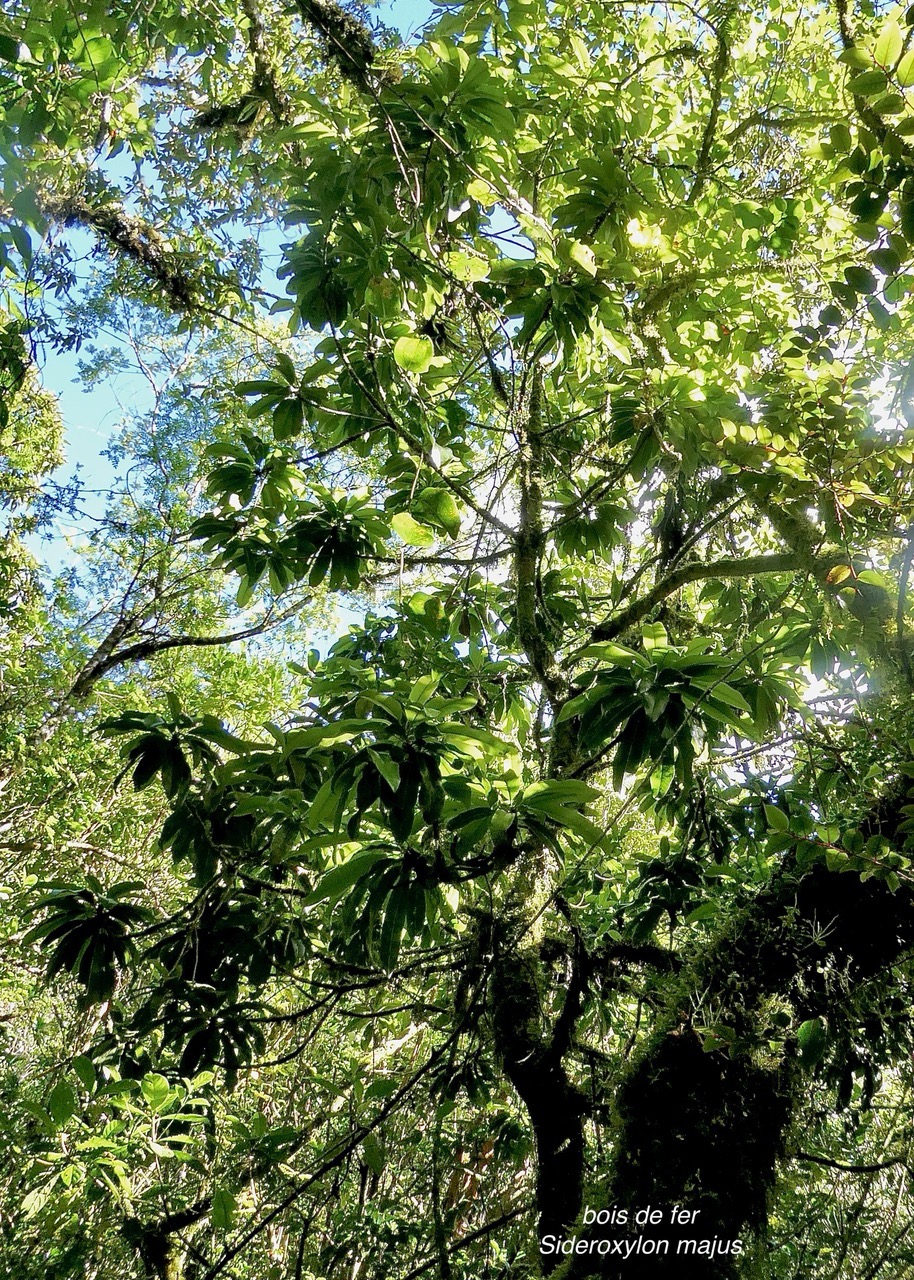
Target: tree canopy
464 778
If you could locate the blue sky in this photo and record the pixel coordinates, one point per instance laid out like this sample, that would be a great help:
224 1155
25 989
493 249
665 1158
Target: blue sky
91 416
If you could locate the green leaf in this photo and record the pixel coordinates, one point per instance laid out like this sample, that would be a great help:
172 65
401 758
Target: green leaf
549 794
582 256
470 741
855 57
890 104
288 419
732 697
442 508
62 1102
392 927
654 635
373 1152
13 50
812 1040
156 1090
617 654
387 768
861 279
869 84
414 355
23 242
905 71
468 267
776 818
35 1200
223 1210
285 367
411 531
84 1070
334 883
423 688
261 387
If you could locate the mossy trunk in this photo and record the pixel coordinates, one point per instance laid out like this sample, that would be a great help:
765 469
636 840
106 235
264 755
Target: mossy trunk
704 1130
534 1066
532 1039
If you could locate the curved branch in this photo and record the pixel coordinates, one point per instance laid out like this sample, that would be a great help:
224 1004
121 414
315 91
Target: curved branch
108 657
748 567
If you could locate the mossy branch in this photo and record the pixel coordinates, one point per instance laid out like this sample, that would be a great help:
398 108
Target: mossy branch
136 239
700 571
347 41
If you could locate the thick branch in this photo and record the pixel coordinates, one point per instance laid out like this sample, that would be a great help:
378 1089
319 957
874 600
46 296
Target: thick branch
764 120
529 544
266 81
900 630
748 567
849 1168
137 239
533 1063
107 656
718 72
347 41
265 90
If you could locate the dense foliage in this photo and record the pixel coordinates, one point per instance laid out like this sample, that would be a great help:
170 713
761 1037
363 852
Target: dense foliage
485 693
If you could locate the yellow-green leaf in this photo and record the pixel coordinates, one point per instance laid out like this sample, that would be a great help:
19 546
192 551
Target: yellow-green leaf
776 818
413 355
411 531
905 73
889 44
582 256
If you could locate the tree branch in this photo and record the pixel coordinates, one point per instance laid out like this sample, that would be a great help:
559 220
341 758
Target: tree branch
529 544
762 120
331 1162
479 1234
107 656
135 238
347 41
265 91
848 1168
748 567
718 71
902 639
